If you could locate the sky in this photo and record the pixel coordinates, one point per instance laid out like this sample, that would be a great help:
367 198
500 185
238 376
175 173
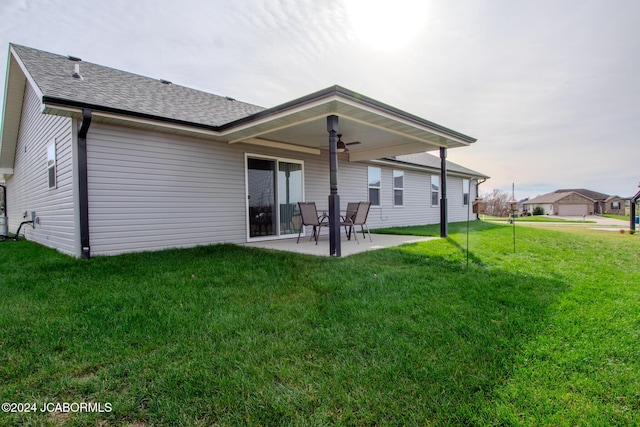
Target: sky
550 88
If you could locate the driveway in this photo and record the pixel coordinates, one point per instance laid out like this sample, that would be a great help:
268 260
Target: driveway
599 220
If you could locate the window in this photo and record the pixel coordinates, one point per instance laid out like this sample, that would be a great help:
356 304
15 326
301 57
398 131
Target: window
435 190
51 164
398 188
374 185
615 205
465 192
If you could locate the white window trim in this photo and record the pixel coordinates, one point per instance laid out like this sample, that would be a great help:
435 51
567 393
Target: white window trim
246 192
468 193
431 190
54 166
379 187
393 177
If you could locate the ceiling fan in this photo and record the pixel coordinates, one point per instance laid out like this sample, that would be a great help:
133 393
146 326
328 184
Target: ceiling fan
342 147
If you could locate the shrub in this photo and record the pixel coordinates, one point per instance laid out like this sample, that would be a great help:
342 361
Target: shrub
538 210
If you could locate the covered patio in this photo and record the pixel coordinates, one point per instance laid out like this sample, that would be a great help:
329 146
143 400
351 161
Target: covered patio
349 247
337 120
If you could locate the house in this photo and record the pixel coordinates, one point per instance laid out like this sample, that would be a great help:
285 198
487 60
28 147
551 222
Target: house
99 161
614 205
565 203
599 199
634 211
577 202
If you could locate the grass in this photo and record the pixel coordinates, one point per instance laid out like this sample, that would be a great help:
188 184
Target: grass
620 217
406 336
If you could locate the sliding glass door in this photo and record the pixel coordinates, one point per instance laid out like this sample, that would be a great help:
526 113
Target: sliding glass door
261 177
274 188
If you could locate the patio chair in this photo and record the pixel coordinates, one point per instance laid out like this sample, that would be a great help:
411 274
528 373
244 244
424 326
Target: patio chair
309 216
347 219
359 218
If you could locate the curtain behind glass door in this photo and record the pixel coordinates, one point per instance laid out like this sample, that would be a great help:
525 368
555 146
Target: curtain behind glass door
261 175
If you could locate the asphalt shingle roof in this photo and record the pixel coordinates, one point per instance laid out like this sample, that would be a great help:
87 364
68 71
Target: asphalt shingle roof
587 193
118 90
548 198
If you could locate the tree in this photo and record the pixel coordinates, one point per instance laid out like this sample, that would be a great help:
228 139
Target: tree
497 203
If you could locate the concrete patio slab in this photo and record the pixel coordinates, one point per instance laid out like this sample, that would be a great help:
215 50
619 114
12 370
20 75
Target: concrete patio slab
349 247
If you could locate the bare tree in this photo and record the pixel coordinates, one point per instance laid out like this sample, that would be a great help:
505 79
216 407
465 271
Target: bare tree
497 203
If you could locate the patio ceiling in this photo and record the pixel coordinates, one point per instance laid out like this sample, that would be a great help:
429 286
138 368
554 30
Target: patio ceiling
381 130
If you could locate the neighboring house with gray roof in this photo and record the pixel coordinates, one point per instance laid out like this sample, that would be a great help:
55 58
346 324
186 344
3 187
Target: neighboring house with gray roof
108 161
566 203
577 202
599 199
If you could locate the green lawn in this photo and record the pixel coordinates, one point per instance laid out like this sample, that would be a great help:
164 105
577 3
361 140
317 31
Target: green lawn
229 335
620 217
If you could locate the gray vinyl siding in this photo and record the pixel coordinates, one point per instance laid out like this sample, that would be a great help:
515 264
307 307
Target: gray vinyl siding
28 189
150 191
417 209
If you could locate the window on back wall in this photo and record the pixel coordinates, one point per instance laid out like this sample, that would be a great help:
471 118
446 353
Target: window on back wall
51 164
398 188
465 192
375 175
615 205
435 190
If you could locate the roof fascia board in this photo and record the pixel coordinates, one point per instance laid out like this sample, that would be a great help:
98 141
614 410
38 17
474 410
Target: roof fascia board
400 114
402 134
123 118
404 121
11 117
155 123
24 70
331 103
281 110
53 103
338 93
277 128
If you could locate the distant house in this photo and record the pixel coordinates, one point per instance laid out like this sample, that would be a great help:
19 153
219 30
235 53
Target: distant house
568 203
614 205
634 210
602 203
578 202
107 161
